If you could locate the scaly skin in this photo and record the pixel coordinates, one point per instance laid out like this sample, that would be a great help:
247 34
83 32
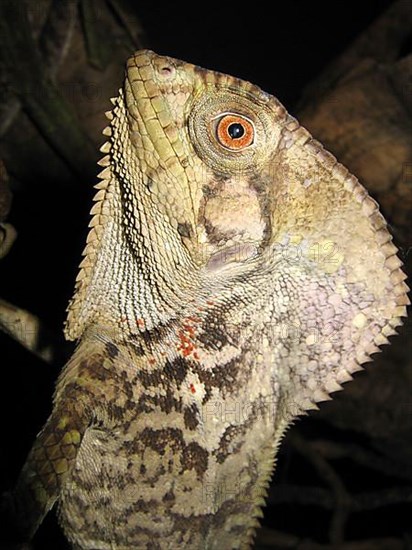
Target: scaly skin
222 293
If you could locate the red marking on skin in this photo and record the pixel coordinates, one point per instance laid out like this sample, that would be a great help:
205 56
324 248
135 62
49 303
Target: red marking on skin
210 303
194 319
192 388
186 335
196 356
186 345
190 330
140 323
152 361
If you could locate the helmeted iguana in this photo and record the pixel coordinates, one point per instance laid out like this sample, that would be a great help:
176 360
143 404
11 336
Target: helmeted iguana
234 275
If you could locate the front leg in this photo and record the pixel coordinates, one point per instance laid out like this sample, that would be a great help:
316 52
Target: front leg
52 456
48 464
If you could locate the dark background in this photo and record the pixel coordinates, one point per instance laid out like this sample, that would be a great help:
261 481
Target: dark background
282 47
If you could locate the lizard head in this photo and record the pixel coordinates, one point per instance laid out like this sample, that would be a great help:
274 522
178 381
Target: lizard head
205 175
203 140
181 191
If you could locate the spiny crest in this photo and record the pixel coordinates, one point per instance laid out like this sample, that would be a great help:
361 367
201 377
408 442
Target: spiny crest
99 215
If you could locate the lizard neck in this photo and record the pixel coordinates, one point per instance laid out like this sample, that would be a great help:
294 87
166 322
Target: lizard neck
136 273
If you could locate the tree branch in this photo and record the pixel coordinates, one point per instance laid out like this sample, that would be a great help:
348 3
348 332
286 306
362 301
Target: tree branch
30 332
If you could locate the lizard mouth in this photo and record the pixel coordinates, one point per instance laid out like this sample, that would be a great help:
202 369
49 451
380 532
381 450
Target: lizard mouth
233 254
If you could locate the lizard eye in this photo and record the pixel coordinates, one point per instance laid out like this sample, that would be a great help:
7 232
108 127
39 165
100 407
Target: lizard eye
235 132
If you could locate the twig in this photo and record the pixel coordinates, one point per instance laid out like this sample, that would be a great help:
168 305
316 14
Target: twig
275 540
29 331
379 499
131 23
96 46
342 498
56 35
382 42
53 41
316 496
383 39
5 193
40 98
333 450
8 233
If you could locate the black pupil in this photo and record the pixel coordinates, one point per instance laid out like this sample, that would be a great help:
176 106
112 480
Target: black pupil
235 130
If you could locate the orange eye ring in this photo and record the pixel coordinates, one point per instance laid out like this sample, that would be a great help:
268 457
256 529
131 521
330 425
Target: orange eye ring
235 132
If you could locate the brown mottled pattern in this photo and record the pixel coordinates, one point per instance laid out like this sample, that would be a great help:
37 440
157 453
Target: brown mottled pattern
133 461
221 294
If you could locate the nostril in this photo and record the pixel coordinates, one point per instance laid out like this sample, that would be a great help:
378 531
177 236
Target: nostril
166 70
